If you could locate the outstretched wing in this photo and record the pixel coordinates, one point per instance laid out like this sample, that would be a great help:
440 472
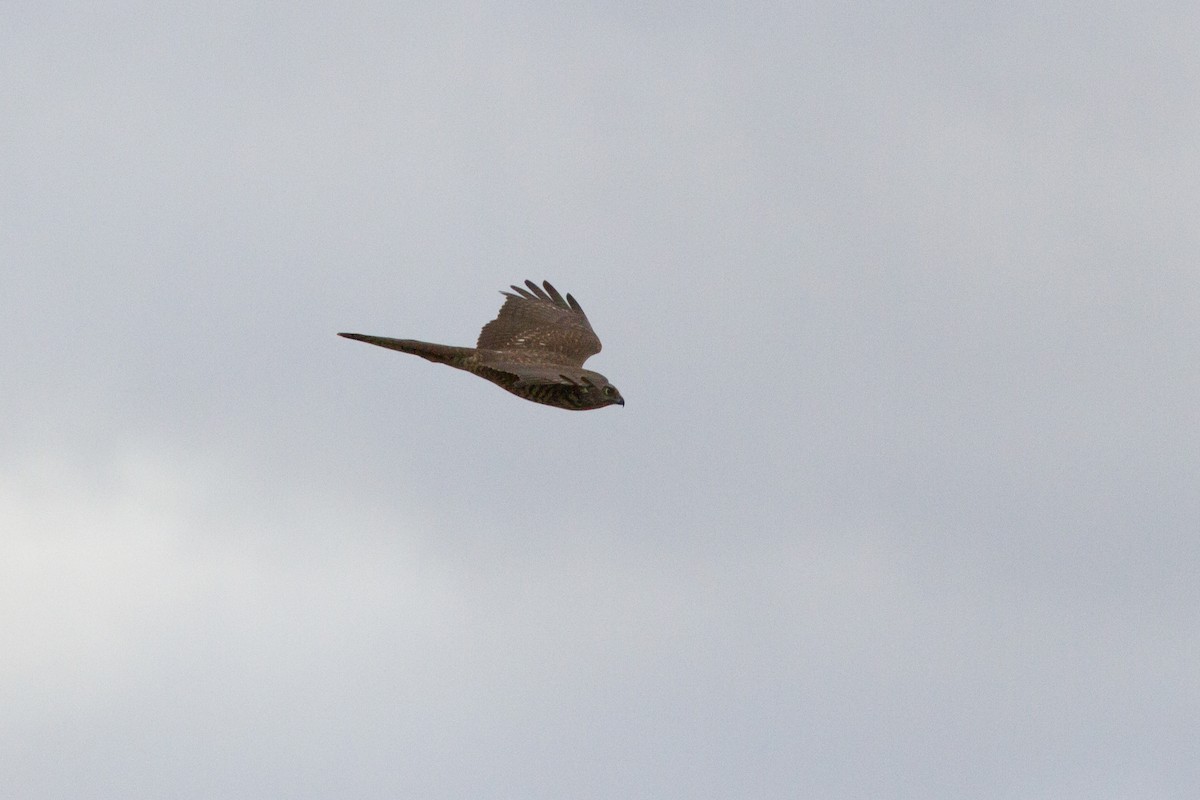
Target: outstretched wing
533 375
543 324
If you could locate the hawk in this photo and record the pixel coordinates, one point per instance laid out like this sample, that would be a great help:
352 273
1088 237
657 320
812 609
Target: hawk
535 348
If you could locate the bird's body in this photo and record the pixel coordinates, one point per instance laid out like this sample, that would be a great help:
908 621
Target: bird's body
535 348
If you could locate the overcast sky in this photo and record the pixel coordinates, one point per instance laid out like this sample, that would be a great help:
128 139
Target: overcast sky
903 300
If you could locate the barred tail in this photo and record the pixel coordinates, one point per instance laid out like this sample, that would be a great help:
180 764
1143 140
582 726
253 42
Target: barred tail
437 353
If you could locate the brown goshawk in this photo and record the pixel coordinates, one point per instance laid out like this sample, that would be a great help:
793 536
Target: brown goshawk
535 348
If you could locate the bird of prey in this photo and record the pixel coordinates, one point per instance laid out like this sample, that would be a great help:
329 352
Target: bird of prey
535 348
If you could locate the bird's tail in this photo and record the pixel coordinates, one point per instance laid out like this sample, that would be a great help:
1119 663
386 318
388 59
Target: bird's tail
437 353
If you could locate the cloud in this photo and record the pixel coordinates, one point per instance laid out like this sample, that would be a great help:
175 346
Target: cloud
902 502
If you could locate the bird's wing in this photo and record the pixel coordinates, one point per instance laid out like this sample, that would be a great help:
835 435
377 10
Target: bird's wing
541 321
532 375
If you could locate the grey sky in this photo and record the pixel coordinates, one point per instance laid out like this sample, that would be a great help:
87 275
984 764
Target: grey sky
903 302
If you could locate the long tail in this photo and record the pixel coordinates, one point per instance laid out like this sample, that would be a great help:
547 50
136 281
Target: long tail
437 353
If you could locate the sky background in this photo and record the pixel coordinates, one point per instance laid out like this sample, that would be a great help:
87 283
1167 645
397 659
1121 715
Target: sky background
903 300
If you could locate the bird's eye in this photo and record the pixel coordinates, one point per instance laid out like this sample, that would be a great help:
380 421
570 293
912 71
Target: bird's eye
609 391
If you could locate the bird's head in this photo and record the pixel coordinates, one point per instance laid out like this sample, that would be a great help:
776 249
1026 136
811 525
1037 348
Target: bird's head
611 396
592 390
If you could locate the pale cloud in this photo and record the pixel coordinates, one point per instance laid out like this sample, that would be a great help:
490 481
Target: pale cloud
903 502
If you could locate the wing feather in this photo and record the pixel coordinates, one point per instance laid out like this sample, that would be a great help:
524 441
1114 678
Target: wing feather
539 321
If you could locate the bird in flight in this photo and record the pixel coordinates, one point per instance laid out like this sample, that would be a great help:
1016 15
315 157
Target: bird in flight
535 348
